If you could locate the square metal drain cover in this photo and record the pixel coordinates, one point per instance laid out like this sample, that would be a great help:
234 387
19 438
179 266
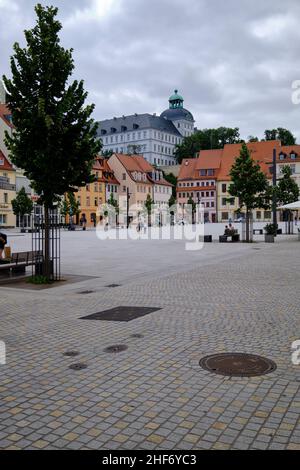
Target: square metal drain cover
121 313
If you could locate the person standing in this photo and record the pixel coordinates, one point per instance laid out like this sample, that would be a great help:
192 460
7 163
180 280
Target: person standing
3 242
84 221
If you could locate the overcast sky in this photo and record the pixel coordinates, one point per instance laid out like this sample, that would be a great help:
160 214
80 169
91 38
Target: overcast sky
233 61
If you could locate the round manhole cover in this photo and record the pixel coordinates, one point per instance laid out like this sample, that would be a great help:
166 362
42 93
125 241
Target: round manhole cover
71 353
237 364
78 366
116 348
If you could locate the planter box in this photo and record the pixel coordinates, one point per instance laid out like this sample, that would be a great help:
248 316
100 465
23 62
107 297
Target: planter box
269 238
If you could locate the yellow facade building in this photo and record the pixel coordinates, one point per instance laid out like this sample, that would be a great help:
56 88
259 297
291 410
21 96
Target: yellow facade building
91 196
7 192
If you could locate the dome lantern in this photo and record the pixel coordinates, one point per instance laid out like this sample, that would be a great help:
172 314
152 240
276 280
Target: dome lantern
176 101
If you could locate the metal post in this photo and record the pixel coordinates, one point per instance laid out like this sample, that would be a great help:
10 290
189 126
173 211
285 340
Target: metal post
127 207
274 202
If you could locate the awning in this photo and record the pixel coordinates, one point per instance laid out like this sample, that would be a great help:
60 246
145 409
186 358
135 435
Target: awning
292 205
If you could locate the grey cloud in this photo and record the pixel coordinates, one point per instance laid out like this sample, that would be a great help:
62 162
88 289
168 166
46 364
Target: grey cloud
233 61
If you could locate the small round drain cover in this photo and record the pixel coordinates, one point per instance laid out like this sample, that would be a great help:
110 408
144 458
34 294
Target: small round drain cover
237 364
137 335
71 353
78 366
116 348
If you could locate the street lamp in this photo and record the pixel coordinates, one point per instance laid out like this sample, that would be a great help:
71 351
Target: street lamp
274 202
128 194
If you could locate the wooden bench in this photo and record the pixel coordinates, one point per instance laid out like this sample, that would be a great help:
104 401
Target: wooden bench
259 230
19 261
205 238
235 237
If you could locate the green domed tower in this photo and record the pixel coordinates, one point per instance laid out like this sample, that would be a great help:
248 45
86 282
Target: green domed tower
176 101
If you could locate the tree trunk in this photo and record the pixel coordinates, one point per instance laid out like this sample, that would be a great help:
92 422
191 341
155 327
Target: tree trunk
46 269
247 226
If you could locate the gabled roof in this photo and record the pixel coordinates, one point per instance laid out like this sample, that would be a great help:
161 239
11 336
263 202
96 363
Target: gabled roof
134 163
209 159
107 173
287 149
188 169
137 163
7 165
261 152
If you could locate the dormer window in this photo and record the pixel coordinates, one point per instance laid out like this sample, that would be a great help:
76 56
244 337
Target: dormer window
293 156
281 156
103 131
113 130
135 126
1 161
123 128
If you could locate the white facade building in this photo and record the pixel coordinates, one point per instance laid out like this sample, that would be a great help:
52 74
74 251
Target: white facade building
154 137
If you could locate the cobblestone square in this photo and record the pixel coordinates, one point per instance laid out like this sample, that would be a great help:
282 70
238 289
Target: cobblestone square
153 395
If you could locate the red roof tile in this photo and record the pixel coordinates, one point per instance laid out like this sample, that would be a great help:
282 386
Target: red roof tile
7 165
4 112
187 169
209 159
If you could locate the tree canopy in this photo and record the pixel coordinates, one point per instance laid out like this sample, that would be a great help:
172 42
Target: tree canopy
287 190
22 204
206 139
55 138
249 184
286 137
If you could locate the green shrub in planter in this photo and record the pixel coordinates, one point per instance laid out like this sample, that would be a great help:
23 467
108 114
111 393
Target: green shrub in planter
271 231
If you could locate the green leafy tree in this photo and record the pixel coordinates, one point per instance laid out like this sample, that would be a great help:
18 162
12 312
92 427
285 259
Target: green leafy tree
107 153
172 201
69 205
192 205
172 179
114 203
148 207
206 139
249 185
286 191
251 138
286 137
22 205
55 139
